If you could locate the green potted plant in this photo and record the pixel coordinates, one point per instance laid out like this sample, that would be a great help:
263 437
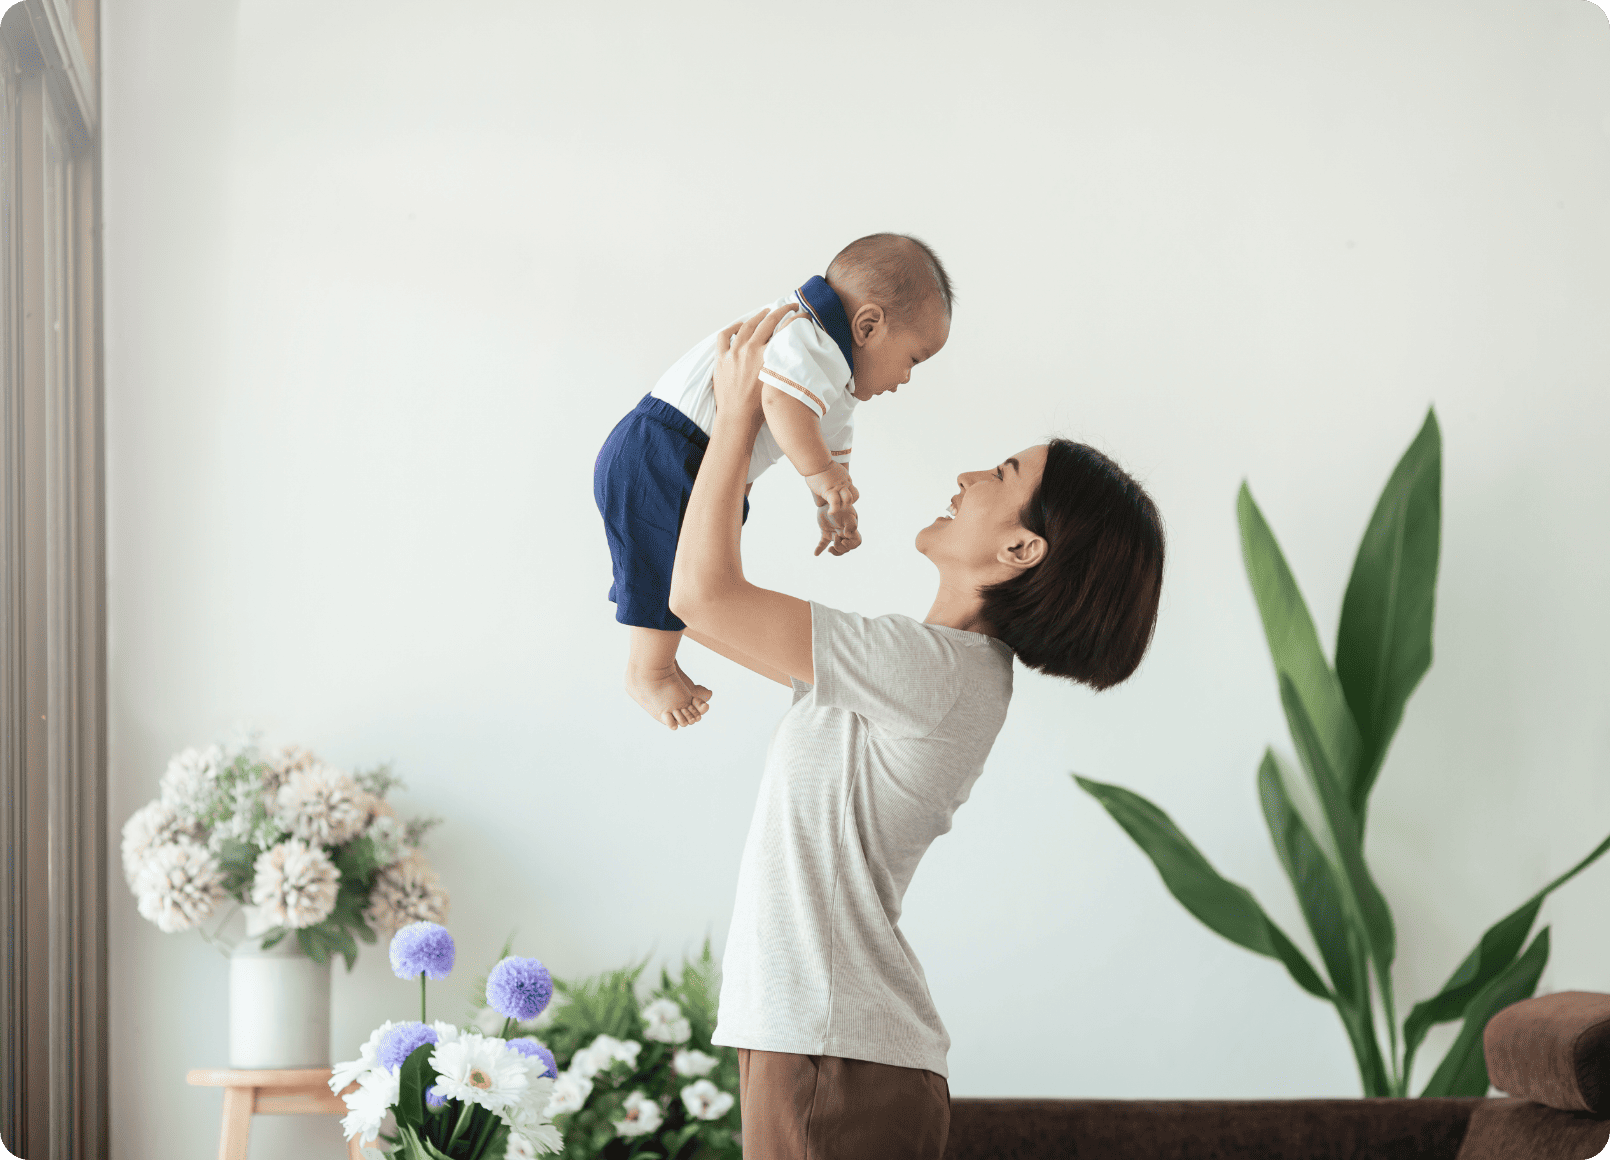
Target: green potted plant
1342 717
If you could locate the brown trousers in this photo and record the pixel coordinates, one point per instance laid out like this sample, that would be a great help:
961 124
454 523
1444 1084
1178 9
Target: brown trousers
820 1107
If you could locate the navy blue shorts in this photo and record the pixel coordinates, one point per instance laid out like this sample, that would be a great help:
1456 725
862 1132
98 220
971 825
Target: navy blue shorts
642 481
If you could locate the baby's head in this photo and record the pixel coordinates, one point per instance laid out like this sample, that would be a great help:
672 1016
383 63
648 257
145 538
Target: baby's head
897 296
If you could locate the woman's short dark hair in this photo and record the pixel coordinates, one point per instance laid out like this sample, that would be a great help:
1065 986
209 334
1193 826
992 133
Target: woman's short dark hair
1088 609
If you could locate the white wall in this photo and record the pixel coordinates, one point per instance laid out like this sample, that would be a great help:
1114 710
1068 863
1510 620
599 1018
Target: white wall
382 275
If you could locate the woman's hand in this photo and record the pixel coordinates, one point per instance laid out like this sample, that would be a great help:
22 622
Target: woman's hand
740 353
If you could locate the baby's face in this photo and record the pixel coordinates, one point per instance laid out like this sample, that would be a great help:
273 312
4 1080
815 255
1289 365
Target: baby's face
884 361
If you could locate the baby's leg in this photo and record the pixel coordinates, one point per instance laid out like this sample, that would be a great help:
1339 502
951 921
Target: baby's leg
657 683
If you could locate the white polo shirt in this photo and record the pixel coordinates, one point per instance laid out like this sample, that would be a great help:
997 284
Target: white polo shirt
808 359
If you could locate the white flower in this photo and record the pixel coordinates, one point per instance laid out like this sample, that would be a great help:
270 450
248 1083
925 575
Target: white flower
407 892
603 1052
445 1032
376 1095
279 764
536 1134
692 1064
150 826
191 780
387 834
294 884
487 1021
705 1101
545 1138
480 1071
665 1023
570 1092
344 1073
642 1116
519 1148
178 885
323 806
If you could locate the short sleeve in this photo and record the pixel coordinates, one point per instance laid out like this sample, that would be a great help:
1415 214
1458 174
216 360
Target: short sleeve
805 364
900 675
840 439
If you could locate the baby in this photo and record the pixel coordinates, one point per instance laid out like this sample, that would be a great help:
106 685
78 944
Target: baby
883 308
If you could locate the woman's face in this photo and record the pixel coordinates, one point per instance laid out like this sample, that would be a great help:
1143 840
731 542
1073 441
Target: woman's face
983 515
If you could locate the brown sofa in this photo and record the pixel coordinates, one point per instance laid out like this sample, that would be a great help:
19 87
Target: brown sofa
1551 1054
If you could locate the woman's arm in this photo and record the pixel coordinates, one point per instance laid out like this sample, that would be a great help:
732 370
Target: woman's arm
708 589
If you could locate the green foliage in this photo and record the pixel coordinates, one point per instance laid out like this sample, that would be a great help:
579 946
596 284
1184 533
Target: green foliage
611 1004
1342 721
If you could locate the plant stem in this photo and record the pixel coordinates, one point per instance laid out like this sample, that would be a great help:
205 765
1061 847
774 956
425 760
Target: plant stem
508 1026
486 1130
463 1118
422 1018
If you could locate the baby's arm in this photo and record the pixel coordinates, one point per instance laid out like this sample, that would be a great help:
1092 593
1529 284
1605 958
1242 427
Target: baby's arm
798 432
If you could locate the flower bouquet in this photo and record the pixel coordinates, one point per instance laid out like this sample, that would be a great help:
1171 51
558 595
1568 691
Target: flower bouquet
635 1079
297 844
453 1094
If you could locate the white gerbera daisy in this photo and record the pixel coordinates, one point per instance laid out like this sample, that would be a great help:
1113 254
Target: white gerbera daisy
294 884
344 1073
480 1071
445 1032
406 892
692 1064
664 1023
705 1101
570 1092
323 806
519 1148
643 1116
376 1095
178 885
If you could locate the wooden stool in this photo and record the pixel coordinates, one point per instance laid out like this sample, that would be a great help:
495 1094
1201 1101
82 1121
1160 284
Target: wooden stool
297 1092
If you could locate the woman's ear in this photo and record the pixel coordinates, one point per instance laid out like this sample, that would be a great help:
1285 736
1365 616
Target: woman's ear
1023 551
869 320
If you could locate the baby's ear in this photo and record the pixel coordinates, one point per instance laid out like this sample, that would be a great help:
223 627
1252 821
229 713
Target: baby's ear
867 320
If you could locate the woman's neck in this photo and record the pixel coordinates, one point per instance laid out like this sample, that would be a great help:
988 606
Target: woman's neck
959 607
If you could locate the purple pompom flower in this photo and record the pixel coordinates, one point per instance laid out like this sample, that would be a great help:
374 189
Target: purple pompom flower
519 988
401 1041
434 1099
531 1049
422 948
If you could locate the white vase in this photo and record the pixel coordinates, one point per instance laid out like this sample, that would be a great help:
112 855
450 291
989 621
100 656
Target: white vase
279 1006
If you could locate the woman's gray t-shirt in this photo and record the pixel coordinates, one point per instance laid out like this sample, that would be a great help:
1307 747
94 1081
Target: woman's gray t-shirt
863 773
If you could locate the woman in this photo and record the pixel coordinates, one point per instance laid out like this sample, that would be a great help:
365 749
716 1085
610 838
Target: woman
1054 556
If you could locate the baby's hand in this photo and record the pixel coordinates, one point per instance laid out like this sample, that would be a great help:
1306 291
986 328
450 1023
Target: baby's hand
833 488
839 534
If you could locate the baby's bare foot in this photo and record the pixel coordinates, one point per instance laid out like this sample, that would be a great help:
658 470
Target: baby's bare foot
700 693
664 695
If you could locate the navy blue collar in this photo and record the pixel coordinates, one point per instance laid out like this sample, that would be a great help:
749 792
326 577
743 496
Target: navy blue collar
823 303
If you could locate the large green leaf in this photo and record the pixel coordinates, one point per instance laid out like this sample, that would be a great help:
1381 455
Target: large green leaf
1313 883
1463 1071
1359 892
1383 644
1342 948
1222 905
414 1079
1293 643
1496 950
